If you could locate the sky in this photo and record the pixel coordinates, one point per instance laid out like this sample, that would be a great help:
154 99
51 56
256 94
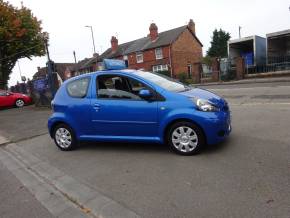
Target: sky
65 20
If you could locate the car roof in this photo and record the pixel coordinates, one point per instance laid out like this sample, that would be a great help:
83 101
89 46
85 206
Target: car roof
126 71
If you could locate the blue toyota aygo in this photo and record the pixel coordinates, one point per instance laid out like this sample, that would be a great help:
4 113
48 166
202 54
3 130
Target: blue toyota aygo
118 104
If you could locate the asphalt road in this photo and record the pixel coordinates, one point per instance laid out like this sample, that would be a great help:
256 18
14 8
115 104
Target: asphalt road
248 175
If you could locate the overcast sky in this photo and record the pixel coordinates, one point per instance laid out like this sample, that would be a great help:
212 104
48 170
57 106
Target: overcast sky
130 19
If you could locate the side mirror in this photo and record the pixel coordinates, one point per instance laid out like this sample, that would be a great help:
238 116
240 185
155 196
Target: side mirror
145 93
8 94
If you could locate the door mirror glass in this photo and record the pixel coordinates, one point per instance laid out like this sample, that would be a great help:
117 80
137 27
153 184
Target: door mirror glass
145 93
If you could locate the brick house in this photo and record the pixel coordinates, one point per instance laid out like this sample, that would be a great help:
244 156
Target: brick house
86 65
60 70
176 50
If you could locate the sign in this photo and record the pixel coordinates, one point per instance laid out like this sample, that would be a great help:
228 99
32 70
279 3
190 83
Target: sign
40 84
112 64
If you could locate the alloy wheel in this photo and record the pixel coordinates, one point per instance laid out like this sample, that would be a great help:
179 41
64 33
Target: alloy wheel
63 138
19 103
184 139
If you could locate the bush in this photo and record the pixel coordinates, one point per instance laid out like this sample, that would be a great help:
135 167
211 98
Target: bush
182 77
230 75
165 72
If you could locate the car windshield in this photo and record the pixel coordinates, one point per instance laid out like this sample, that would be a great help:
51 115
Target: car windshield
163 81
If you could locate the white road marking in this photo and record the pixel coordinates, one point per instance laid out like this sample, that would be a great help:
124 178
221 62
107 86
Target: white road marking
248 88
259 103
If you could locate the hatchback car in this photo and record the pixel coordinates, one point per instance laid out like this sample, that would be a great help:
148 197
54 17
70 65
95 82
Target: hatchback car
9 99
137 106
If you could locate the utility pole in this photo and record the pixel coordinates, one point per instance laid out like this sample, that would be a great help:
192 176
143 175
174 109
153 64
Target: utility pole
92 38
240 31
74 53
50 65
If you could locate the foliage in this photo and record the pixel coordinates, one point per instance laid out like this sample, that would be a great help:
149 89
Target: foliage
21 36
182 77
207 60
219 44
165 72
230 75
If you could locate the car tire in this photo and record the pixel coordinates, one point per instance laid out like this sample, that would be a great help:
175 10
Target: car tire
64 137
185 138
19 103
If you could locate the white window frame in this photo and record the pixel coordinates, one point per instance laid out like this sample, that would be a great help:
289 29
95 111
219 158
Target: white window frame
139 57
158 68
158 53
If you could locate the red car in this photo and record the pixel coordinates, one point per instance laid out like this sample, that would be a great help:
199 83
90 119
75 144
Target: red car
8 99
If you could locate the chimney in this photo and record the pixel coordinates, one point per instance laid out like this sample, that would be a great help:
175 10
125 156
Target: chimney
153 31
191 26
114 44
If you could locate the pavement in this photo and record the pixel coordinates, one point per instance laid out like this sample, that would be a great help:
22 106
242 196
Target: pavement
245 176
268 80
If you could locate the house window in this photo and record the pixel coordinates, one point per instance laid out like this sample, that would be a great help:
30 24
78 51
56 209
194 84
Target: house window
139 57
126 60
189 71
158 53
157 68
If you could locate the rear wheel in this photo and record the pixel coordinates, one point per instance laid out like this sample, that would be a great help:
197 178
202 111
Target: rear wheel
185 138
64 137
19 103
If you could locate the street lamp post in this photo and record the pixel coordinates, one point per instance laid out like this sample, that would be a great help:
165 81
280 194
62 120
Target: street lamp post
92 37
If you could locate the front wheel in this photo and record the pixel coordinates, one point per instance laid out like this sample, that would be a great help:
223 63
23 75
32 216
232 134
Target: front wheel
19 103
64 137
185 138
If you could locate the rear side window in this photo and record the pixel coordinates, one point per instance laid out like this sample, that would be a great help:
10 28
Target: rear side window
78 88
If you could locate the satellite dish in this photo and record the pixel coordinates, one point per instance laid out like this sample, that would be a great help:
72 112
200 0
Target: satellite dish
23 78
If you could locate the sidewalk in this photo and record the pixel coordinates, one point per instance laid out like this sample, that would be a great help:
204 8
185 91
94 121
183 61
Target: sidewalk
248 81
16 200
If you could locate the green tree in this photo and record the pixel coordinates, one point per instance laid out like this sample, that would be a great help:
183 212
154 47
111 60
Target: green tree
21 36
219 44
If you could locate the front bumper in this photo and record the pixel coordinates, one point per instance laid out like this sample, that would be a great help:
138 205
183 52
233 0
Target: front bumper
218 127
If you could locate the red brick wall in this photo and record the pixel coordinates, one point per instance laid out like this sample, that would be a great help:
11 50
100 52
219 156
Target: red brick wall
149 59
185 50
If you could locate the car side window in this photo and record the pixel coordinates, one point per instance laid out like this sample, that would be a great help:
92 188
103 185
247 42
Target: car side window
118 87
78 88
4 93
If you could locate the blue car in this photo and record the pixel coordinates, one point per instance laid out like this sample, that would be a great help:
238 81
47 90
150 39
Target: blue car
118 104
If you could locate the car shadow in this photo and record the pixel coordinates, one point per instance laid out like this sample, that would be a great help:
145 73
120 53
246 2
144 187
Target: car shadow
124 147
146 147
216 148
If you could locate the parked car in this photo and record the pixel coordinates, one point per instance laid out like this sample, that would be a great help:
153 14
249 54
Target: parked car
137 106
8 99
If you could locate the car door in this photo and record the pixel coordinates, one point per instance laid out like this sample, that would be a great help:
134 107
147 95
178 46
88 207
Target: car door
77 104
5 99
118 111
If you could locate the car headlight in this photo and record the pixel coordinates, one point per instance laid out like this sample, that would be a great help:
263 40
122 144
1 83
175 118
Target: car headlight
205 105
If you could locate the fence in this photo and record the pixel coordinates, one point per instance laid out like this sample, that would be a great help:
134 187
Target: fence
38 89
274 64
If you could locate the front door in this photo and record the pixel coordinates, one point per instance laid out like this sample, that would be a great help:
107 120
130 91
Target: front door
5 99
118 111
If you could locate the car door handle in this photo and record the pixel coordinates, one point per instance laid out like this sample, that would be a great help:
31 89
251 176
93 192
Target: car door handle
97 106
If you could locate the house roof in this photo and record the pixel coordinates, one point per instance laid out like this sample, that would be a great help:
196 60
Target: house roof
145 43
279 33
60 69
86 62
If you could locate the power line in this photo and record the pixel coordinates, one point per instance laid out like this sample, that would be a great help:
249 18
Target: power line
18 53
